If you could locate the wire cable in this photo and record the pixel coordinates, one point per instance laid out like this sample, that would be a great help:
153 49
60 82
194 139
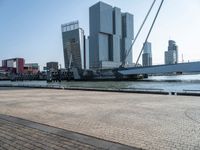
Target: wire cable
138 33
149 32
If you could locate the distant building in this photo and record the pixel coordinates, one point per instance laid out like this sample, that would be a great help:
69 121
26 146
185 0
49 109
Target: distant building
14 65
31 68
147 55
73 45
52 66
171 56
2 70
111 35
87 56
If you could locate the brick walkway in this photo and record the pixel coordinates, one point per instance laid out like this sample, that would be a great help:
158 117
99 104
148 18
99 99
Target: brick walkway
20 134
153 122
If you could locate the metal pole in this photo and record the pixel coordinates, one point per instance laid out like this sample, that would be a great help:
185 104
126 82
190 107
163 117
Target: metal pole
149 31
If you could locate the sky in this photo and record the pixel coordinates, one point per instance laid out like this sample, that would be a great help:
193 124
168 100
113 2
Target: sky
31 29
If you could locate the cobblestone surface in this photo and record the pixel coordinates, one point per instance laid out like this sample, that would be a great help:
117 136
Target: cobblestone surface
139 120
15 136
20 134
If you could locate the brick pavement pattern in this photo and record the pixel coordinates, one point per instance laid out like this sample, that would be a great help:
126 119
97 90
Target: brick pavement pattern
20 134
139 120
17 137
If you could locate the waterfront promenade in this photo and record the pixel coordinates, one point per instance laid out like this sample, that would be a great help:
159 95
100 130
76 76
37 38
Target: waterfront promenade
138 120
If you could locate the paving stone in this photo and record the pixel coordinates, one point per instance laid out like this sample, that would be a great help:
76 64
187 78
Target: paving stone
138 120
18 134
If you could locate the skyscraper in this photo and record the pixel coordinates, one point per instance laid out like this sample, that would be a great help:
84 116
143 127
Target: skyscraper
171 56
73 45
147 55
127 36
111 35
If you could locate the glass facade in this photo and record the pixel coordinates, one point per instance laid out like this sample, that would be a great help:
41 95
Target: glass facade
111 35
147 54
171 56
73 45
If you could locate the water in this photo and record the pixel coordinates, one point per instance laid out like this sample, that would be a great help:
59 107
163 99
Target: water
180 83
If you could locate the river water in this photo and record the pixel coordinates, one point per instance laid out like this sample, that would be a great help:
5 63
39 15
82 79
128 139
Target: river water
179 83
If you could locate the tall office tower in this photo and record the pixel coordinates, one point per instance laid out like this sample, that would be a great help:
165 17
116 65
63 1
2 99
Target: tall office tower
127 36
147 55
171 56
111 35
73 45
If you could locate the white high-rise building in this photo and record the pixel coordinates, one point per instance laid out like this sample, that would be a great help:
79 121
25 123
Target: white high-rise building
171 56
147 55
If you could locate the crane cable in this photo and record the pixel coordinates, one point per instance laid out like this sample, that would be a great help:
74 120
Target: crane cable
129 50
149 32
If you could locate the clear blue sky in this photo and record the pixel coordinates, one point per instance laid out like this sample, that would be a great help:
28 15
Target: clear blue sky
31 28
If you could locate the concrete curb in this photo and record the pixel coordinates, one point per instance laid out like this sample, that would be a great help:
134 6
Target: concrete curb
159 92
90 89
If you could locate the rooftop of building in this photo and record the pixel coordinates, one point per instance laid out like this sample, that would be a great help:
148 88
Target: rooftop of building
13 58
70 26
